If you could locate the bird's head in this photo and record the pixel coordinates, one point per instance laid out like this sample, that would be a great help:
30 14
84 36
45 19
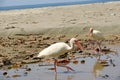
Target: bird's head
76 42
90 31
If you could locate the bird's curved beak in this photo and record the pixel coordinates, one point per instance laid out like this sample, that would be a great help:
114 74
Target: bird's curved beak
89 33
79 45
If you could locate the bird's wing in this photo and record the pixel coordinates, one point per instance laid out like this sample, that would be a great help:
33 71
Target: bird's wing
54 50
98 35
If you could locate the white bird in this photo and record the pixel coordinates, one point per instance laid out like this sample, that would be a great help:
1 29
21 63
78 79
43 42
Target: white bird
57 49
96 35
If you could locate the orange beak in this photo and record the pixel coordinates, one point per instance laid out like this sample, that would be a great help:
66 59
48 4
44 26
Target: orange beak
79 45
89 33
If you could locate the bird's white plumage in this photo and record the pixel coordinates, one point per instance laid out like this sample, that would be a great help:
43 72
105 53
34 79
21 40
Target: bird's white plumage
54 50
57 49
97 35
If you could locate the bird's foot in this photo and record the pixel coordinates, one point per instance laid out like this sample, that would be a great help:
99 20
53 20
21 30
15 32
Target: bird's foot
69 68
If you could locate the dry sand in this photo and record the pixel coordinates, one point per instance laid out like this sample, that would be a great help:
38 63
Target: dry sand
75 19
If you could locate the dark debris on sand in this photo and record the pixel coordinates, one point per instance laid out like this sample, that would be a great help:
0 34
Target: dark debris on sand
23 49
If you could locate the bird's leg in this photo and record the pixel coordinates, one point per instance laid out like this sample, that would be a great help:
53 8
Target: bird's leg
92 44
55 64
97 50
99 45
98 57
67 67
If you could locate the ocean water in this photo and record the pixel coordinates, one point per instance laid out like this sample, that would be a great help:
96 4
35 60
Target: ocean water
23 4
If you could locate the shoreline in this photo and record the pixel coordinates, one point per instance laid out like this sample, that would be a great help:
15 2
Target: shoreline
56 4
74 19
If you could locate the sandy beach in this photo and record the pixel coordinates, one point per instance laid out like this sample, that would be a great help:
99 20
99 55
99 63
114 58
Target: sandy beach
75 19
54 24
24 33
30 30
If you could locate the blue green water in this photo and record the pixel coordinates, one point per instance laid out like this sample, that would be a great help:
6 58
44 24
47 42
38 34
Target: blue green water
23 4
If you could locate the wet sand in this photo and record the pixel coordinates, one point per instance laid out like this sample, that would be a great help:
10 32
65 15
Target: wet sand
22 49
18 53
90 70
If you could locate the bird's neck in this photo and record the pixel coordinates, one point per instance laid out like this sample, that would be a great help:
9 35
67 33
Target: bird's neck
71 46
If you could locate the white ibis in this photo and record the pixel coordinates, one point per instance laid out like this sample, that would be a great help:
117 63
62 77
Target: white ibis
96 35
57 49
